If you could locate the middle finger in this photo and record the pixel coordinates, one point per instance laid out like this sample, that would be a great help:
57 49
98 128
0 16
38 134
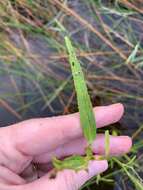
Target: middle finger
118 145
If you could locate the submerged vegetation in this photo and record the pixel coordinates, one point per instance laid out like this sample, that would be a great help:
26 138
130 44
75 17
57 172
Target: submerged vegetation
36 77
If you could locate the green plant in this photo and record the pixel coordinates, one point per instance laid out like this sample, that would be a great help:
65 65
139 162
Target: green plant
87 117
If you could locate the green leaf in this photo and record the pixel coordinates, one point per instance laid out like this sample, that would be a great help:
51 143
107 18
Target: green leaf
87 118
75 162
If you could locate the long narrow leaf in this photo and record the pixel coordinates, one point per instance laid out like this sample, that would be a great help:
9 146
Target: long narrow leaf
87 118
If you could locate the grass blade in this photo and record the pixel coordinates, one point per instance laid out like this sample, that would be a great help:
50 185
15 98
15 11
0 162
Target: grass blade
87 118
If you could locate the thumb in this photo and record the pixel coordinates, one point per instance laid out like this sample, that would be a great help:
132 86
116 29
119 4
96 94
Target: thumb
71 180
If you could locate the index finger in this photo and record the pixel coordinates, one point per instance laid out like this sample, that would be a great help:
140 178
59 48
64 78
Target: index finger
37 136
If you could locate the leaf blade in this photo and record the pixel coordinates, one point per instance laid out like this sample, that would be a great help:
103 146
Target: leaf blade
87 118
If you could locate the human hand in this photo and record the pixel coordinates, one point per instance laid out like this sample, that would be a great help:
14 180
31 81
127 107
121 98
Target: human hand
38 140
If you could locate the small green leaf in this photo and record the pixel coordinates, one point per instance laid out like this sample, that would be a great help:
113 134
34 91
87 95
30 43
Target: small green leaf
75 162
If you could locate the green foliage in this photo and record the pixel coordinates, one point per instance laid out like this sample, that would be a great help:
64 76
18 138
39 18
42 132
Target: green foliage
87 117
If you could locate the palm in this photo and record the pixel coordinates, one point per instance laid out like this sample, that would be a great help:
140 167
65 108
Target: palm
26 150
